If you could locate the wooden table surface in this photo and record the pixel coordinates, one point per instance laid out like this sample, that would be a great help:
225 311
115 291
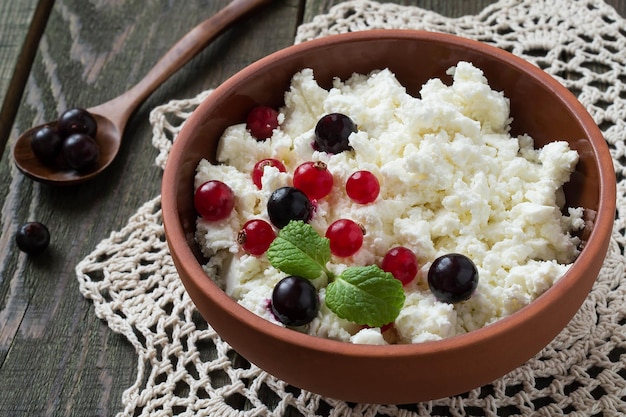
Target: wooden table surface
56 357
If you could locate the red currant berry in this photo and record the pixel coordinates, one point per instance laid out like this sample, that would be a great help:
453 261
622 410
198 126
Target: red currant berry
382 328
259 168
345 236
214 200
386 327
313 179
362 187
402 263
256 236
262 121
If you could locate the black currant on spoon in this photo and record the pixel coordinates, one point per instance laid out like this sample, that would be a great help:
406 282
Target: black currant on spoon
46 144
77 120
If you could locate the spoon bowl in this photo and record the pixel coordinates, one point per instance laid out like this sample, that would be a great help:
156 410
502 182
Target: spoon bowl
113 115
109 138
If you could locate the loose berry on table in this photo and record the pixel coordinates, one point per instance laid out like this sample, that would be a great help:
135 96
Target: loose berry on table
261 122
32 238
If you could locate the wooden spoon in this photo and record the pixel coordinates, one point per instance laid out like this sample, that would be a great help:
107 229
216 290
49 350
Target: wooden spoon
113 115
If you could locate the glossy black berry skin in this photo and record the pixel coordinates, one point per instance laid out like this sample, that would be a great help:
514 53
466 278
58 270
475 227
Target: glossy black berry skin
32 238
77 121
46 144
452 278
332 132
80 151
286 204
295 301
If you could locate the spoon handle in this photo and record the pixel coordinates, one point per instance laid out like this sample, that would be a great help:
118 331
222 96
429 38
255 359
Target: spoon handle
119 109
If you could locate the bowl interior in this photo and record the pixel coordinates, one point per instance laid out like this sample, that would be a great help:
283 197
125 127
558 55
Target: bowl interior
538 106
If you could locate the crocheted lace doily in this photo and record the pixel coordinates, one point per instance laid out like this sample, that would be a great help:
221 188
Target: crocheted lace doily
184 368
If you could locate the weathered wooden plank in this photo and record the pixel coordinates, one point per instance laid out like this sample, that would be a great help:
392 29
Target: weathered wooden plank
21 24
619 5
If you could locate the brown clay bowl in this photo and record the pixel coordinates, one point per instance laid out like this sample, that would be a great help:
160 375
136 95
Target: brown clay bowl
396 374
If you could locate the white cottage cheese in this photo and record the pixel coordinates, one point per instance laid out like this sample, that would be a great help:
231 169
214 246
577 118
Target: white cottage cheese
452 180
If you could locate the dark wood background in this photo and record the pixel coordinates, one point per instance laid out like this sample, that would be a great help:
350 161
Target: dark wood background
56 357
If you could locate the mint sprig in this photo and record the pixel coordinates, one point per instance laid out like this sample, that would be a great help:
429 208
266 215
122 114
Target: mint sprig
299 250
365 295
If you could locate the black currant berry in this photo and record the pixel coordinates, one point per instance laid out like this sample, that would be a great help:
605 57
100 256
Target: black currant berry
77 121
332 132
32 238
286 204
452 278
80 151
46 144
295 301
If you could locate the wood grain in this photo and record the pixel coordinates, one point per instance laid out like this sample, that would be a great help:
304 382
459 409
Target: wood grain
56 357
21 26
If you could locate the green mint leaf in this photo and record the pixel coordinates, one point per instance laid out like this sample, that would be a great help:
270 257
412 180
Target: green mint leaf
300 250
366 295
